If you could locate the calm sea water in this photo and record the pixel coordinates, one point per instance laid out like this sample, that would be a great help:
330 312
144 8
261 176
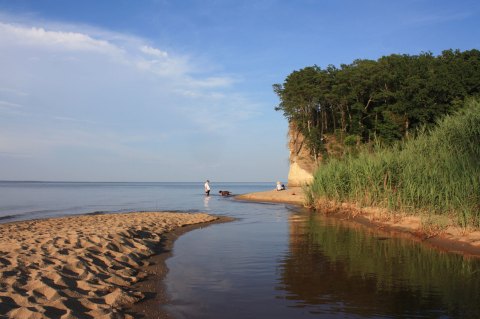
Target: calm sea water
273 261
31 200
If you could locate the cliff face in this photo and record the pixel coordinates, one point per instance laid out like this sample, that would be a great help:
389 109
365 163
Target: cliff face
302 165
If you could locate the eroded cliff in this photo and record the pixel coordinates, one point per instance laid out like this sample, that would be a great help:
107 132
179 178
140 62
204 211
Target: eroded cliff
302 164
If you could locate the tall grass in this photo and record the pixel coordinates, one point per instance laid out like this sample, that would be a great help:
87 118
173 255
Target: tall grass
438 172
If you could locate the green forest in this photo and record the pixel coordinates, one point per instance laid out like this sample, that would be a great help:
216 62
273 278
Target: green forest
410 130
384 100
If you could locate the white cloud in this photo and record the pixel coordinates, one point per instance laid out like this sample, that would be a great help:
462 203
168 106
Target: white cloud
153 51
98 107
40 37
13 109
177 68
10 91
118 47
212 82
71 119
433 18
43 48
9 105
94 96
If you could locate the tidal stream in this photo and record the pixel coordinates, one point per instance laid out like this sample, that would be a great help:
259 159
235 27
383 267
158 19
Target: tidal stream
275 262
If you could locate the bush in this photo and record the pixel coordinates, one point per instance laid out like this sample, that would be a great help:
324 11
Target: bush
438 172
351 140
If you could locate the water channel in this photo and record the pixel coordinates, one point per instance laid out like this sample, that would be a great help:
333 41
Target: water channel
279 262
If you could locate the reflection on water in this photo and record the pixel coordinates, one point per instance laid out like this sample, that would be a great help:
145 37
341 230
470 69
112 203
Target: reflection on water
274 263
333 269
205 201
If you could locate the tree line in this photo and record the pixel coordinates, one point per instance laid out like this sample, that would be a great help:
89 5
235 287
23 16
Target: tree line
383 100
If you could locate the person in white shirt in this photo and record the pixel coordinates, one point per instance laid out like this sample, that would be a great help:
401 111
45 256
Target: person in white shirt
207 187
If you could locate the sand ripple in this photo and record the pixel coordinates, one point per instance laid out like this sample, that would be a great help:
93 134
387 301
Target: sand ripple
79 267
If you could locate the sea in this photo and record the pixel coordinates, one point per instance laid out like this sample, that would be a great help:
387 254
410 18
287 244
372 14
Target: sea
272 260
33 200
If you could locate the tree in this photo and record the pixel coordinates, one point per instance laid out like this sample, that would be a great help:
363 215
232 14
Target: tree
382 100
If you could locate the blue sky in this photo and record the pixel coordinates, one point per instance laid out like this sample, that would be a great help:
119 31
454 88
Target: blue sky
160 90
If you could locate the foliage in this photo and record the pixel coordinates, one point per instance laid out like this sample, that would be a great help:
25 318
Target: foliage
438 172
384 100
350 140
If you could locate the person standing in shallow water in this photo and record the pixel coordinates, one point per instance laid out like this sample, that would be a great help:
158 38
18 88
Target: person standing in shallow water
207 188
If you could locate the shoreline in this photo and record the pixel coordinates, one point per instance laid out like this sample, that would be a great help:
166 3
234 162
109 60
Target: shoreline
86 266
113 265
451 239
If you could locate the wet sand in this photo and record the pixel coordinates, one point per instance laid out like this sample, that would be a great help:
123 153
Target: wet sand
88 266
449 239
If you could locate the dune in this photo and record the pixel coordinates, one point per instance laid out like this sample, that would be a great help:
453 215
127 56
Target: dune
81 266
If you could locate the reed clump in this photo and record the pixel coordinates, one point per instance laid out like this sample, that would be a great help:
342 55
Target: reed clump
435 174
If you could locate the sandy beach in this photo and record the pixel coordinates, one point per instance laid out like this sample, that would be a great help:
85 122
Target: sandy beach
449 238
81 266
291 195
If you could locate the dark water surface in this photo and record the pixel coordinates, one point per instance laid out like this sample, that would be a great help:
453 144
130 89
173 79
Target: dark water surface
273 261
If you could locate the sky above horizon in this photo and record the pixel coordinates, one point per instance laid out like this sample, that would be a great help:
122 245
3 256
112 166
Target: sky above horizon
171 90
